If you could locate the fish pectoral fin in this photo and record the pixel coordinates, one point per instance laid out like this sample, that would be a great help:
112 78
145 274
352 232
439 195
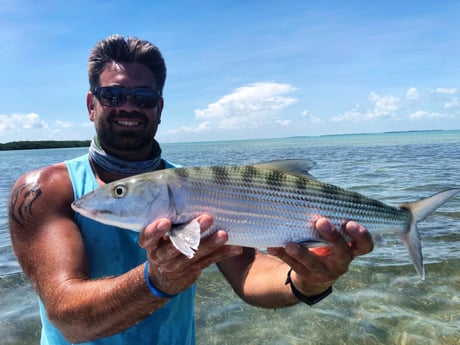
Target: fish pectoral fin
314 244
299 167
186 237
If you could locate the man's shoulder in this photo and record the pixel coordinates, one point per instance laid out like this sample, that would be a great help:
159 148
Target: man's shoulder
45 191
53 179
54 171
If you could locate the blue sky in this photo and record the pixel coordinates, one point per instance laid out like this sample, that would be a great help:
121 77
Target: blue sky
240 69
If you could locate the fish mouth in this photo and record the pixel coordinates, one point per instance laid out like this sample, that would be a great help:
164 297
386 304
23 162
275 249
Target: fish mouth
103 216
93 214
84 212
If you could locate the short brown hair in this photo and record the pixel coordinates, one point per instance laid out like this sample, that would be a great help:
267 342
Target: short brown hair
120 49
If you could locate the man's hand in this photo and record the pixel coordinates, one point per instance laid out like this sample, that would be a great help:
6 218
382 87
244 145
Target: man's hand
315 269
170 271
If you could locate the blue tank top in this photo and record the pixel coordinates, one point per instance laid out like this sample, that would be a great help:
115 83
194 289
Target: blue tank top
113 251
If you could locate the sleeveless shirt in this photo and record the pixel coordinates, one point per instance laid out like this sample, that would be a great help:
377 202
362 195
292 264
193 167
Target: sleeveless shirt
112 251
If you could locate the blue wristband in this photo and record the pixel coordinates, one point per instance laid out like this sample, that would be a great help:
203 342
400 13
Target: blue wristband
153 289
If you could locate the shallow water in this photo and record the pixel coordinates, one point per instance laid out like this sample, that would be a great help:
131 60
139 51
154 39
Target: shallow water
381 300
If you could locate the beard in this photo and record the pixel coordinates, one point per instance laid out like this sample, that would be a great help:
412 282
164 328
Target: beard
129 139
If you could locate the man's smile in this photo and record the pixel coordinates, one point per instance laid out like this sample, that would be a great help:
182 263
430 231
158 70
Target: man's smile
128 123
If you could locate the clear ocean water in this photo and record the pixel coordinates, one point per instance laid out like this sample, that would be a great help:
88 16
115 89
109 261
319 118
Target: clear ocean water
381 300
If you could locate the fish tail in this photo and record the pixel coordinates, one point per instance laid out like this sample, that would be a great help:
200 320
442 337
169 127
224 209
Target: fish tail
419 211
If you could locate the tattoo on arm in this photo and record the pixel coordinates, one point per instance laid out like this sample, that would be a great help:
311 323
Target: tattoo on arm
22 200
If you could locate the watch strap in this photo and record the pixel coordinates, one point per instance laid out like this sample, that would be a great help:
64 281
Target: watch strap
310 300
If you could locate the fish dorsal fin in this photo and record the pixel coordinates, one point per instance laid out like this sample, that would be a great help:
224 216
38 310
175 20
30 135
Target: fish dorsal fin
299 167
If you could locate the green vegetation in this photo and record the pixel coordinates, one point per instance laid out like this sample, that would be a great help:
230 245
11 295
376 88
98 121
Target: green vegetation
43 144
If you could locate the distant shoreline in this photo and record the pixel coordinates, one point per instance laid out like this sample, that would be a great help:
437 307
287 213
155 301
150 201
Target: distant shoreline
390 132
59 144
43 144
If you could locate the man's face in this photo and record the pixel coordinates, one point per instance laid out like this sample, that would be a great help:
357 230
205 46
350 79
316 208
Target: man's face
125 130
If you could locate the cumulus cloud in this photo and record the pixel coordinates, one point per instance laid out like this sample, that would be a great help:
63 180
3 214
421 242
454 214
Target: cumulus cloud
64 124
31 126
384 106
200 128
379 107
284 123
87 124
422 114
444 91
412 94
445 96
251 106
353 115
30 120
452 103
5 123
310 117
21 121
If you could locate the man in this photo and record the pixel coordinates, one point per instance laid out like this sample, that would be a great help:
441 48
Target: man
103 285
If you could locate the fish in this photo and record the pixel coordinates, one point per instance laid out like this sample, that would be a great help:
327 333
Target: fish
260 205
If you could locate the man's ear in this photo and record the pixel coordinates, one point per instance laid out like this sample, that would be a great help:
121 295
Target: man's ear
90 105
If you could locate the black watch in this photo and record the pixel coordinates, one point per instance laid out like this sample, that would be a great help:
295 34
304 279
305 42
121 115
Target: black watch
310 300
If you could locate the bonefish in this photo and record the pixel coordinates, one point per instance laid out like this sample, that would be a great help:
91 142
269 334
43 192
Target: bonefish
261 205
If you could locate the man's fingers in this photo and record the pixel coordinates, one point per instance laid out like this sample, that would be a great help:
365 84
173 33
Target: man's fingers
205 221
339 246
160 227
362 240
327 231
154 232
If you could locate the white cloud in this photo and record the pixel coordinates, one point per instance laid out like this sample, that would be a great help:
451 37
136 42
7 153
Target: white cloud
311 118
353 115
30 120
25 121
412 94
64 124
87 124
201 128
16 127
444 91
284 123
252 106
250 99
453 103
380 107
446 97
5 123
422 114
384 106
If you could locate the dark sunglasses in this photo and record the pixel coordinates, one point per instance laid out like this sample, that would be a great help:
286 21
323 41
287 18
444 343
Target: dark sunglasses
115 96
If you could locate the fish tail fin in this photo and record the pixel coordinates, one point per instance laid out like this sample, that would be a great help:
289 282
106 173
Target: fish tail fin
411 240
186 238
420 210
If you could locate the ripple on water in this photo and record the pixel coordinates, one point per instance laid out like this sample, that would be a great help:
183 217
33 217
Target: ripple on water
371 306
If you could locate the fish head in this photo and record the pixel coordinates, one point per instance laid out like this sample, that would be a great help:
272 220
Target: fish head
129 203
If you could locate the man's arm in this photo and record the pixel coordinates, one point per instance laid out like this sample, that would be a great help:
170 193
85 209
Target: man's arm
49 248
259 278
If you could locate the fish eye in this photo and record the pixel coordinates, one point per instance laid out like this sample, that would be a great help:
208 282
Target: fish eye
119 191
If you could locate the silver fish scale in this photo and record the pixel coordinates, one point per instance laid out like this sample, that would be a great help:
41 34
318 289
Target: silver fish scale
259 206
269 208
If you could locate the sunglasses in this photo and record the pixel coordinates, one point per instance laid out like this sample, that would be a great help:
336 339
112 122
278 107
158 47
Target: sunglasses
114 96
